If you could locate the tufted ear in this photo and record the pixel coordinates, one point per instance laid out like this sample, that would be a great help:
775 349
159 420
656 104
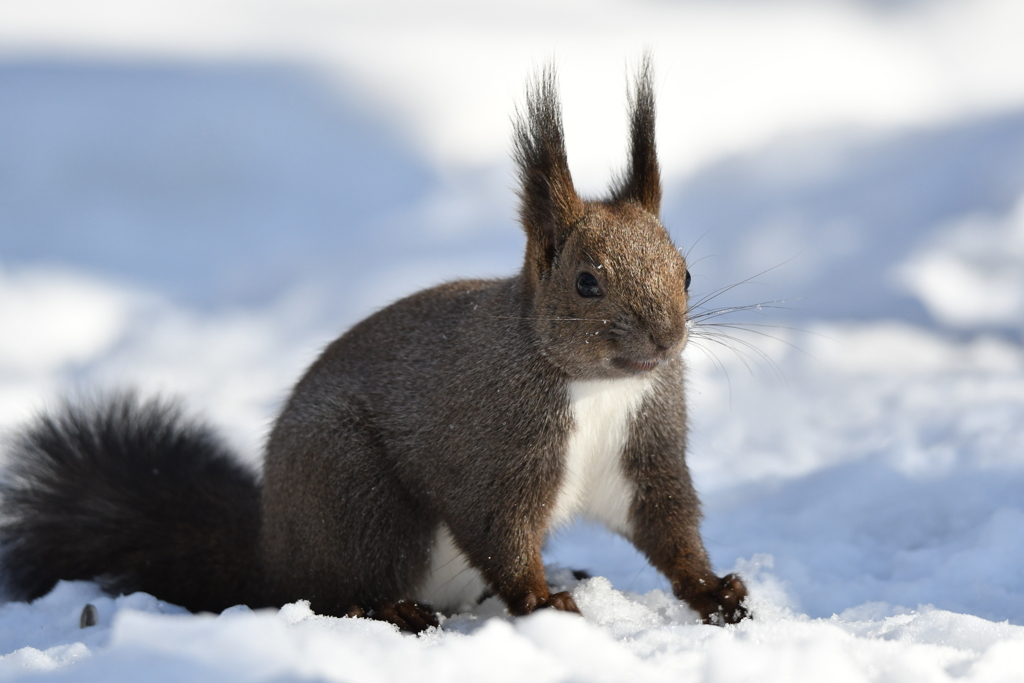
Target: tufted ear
642 181
549 206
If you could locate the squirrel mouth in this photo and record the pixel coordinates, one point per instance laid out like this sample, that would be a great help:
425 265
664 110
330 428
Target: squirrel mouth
636 366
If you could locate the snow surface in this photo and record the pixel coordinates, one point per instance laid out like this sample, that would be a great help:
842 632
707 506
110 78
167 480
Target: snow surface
196 197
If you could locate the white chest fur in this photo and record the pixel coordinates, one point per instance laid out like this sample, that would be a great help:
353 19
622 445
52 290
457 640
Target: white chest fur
593 484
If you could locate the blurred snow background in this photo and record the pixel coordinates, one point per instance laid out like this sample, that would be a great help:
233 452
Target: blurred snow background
195 197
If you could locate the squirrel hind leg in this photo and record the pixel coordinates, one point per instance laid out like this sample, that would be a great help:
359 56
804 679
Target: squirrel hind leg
369 542
407 615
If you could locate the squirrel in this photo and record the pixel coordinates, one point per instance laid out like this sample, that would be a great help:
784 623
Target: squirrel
423 458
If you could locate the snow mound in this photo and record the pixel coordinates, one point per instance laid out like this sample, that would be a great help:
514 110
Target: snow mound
620 637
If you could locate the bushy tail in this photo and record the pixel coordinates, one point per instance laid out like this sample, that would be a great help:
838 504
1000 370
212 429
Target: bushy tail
135 496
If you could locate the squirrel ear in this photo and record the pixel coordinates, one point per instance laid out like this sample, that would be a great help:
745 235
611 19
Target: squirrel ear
642 181
549 205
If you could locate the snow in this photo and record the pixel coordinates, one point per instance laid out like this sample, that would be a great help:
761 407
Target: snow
622 636
197 197
972 273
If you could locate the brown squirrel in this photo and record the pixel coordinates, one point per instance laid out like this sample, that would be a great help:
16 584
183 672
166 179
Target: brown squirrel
427 453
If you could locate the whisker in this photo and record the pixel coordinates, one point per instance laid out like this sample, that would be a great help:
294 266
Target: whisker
722 290
746 328
690 265
718 334
720 337
700 347
686 254
514 317
778 327
764 305
741 356
456 575
635 577
708 353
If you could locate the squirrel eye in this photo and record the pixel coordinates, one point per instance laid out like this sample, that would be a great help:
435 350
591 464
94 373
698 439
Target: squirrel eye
686 284
587 285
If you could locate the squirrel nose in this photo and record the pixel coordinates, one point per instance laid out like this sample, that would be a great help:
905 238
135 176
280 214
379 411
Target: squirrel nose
666 337
663 343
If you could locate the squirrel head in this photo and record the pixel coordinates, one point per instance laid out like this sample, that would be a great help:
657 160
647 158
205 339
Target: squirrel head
606 289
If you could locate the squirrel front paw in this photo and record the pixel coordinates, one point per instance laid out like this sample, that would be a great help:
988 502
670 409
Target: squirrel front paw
721 603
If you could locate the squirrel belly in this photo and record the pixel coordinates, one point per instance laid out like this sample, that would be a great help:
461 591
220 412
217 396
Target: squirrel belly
452 584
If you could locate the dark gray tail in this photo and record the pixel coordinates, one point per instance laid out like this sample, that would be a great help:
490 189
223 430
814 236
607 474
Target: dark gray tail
133 495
